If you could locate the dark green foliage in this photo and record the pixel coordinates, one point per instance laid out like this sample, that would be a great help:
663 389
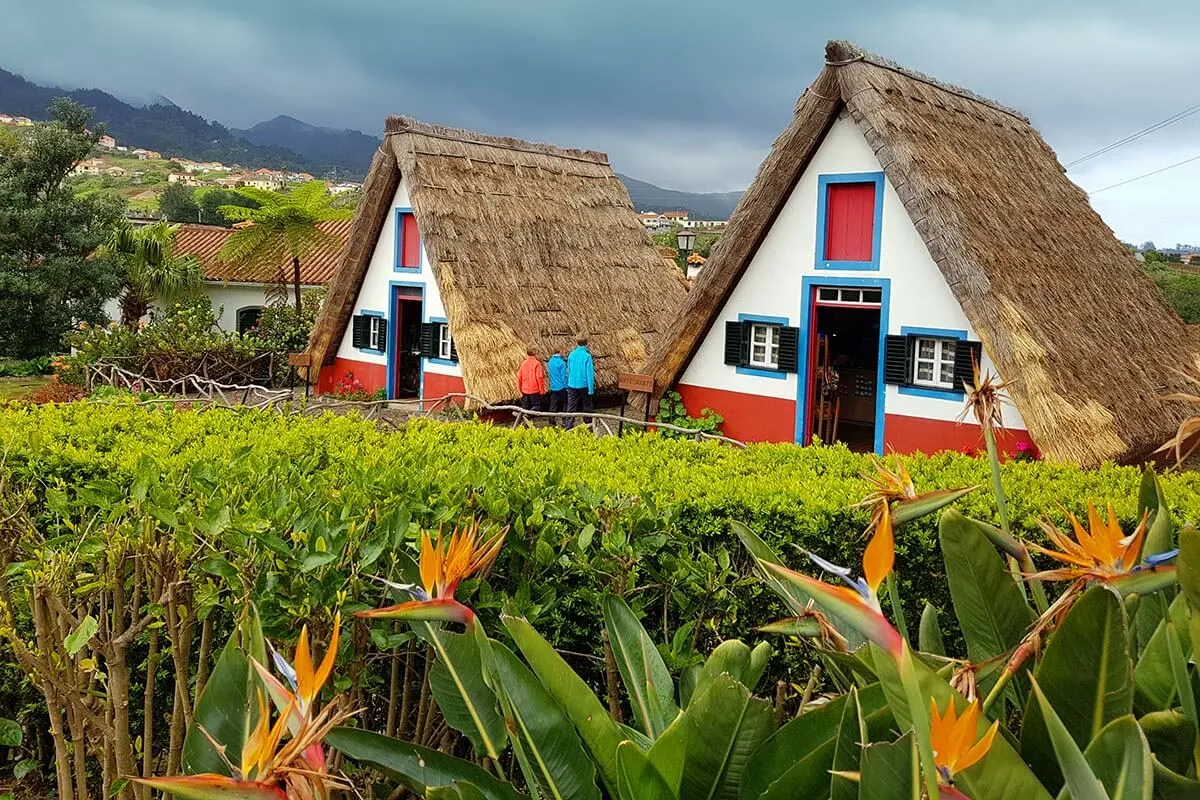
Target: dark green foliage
180 203
672 411
48 283
1180 288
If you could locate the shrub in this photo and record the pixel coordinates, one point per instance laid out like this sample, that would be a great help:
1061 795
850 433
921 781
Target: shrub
26 369
672 411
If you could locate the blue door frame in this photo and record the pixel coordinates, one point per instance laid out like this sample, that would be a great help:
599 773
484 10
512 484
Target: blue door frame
808 287
393 343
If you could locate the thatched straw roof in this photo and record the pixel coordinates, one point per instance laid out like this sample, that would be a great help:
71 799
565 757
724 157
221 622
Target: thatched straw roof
1062 308
530 244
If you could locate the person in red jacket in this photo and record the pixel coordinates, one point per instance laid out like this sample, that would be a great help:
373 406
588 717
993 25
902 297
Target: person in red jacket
531 381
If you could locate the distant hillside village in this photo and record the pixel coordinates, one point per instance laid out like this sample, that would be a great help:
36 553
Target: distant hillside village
142 183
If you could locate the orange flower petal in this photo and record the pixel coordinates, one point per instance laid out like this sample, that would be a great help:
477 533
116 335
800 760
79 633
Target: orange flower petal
880 555
304 666
980 748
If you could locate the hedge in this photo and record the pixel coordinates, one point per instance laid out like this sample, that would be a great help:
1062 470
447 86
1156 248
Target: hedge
641 515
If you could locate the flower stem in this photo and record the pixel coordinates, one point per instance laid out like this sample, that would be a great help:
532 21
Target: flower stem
1026 567
897 606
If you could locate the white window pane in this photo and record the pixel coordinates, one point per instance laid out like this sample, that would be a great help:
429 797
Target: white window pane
947 373
948 347
926 348
925 372
759 333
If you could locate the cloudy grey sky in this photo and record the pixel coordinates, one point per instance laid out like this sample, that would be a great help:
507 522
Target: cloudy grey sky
687 95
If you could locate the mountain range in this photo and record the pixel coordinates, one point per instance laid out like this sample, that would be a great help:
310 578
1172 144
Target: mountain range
280 143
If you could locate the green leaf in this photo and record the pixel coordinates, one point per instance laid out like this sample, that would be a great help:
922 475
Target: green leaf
891 771
11 734
313 561
1086 675
760 657
919 714
847 747
1169 785
1154 682
990 607
637 779
668 752
459 790
463 695
1188 564
793 597
929 635
1120 758
1081 781
725 726
226 710
24 767
1183 681
643 671
1172 738
1161 536
999 775
77 639
796 760
926 504
208 787
601 734
731 657
217 565
553 758
418 768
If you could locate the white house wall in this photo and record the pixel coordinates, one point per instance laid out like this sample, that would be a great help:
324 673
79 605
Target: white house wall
375 292
771 285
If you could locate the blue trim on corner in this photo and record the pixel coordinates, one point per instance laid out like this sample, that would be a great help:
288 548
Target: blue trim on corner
365 312
445 362
759 372
925 391
394 337
823 184
807 287
399 244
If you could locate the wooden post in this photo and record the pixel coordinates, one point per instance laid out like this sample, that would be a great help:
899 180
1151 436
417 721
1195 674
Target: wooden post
634 382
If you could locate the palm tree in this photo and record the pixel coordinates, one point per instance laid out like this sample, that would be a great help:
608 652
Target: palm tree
284 226
153 270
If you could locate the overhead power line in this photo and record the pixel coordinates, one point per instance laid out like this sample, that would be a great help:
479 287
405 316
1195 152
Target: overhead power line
1146 175
1171 120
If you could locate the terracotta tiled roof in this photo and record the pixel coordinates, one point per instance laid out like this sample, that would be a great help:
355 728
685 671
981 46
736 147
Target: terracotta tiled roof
205 241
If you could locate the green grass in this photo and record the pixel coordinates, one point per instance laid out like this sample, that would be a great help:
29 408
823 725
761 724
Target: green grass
17 388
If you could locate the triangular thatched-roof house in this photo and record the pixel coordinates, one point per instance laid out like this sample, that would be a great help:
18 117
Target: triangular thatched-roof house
468 249
898 224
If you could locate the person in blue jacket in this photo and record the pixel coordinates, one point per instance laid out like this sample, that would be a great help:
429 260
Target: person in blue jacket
581 381
556 371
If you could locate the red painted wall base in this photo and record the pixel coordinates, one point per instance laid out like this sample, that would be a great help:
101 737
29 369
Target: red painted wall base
917 434
373 377
751 418
439 385
748 417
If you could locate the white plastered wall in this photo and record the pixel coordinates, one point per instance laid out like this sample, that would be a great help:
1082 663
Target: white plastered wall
772 284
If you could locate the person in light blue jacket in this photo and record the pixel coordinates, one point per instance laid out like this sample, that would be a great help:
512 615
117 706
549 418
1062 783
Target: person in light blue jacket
556 371
581 381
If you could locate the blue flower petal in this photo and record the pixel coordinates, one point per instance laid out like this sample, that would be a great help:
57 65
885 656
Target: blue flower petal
829 566
1162 558
281 664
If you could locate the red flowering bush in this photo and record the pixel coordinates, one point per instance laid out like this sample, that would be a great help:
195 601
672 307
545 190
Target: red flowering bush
349 387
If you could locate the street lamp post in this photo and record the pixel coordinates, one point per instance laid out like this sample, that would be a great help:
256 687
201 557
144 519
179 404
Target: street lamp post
686 239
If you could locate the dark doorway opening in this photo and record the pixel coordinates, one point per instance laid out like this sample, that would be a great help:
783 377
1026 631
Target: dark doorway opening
406 382
844 378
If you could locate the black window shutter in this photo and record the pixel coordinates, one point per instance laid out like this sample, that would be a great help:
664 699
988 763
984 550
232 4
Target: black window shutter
964 376
429 339
453 348
897 360
789 349
733 344
358 334
382 323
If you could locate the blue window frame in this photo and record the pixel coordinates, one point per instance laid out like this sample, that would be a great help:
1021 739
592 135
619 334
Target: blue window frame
382 317
445 362
823 184
808 287
955 395
765 320
398 255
